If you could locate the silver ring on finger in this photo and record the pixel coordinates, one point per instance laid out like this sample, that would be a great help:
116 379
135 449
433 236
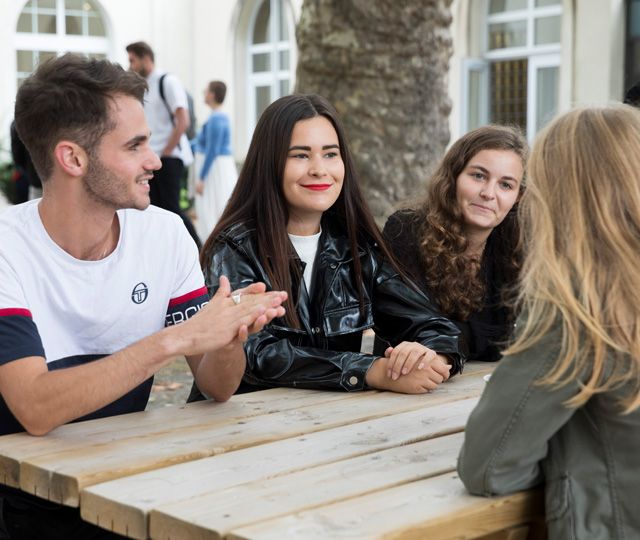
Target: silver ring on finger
236 298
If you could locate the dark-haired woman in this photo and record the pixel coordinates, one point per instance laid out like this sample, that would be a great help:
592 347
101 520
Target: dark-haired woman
460 246
297 221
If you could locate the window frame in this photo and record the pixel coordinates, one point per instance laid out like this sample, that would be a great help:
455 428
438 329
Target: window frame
274 46
629 41
530 14
480 66
537 56
536 62
59 42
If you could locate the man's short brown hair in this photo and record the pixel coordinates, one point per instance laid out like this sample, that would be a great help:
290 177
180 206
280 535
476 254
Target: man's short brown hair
141 49
68 98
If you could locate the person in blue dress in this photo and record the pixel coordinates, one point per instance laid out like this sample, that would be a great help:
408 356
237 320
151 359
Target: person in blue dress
215 166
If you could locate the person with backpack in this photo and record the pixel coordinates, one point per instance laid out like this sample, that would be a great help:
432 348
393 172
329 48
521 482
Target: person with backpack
166 108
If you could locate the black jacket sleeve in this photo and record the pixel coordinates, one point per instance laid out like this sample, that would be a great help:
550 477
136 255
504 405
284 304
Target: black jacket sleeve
403 313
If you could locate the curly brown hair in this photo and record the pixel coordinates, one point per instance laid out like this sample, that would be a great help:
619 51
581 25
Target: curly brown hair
454 278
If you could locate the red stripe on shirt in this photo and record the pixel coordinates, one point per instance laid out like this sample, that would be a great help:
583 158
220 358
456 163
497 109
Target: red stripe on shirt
188 296
12 312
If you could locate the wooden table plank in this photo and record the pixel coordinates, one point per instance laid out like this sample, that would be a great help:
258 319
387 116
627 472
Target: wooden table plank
436 508
59 476
19 447
214 515
123 505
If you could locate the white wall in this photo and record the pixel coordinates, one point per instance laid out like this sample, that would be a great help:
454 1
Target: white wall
9 11
460 38
599 51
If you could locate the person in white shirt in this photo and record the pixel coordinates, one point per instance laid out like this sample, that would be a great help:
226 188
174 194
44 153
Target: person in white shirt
167 111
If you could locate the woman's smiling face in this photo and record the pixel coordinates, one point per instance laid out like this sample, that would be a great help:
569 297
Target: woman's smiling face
313 174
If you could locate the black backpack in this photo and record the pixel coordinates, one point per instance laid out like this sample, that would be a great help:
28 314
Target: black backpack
191 130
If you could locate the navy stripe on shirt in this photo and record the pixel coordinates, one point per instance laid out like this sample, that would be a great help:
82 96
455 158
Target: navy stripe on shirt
133 401
186 306
18 335
19 338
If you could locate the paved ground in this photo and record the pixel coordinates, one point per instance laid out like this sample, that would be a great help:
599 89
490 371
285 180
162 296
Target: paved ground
171 385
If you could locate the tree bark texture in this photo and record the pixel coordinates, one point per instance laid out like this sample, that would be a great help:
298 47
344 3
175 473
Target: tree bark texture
383 64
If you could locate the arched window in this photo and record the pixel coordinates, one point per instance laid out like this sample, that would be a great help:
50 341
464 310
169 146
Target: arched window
270 63
517 79
49 28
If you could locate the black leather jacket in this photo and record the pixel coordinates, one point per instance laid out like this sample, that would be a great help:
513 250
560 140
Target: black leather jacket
325 351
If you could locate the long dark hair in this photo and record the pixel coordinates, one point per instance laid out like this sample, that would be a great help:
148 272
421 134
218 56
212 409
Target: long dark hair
453 278
258 196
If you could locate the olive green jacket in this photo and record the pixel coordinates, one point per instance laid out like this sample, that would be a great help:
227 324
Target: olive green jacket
521 435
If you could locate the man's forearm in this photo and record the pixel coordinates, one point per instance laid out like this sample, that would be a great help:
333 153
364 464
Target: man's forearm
173 141
181 123
42 400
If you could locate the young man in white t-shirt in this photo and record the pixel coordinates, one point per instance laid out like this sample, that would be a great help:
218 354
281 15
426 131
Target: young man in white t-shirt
93 283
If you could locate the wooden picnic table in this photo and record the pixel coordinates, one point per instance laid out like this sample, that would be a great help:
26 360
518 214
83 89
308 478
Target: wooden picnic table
281 463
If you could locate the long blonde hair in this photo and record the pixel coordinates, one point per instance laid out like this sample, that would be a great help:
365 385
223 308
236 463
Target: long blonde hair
580 222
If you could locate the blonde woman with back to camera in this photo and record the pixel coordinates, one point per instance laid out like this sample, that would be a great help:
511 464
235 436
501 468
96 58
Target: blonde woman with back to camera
563 406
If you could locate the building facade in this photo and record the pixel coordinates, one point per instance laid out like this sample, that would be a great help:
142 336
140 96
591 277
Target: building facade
249 44
523 61
515 61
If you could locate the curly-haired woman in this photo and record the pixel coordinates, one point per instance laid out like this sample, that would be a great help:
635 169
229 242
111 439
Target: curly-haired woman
460 244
